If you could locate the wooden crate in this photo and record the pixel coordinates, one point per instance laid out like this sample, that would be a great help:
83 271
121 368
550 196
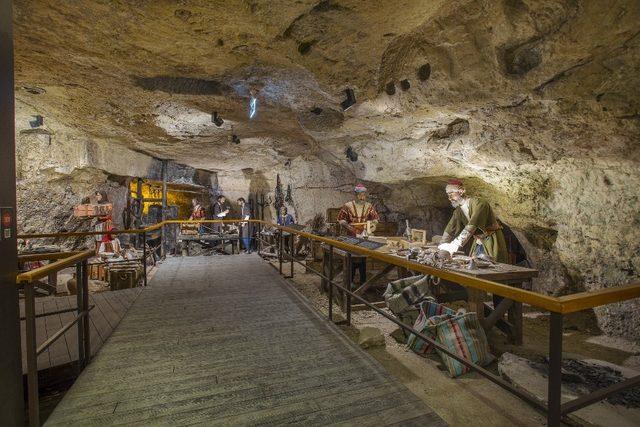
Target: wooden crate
92 210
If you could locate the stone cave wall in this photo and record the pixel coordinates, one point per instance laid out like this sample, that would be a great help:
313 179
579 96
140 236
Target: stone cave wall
56 172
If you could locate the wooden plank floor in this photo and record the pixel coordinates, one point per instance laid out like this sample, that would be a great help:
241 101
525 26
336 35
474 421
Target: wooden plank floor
223 340
110 308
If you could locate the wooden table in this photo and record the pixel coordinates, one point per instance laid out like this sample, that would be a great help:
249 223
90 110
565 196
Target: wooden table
210 238
488 316
346 272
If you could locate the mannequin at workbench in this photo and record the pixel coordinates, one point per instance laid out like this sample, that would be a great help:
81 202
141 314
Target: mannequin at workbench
473 220
220 210
245 227
197 212
353 217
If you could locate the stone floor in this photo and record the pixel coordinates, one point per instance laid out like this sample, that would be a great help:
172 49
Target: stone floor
223 340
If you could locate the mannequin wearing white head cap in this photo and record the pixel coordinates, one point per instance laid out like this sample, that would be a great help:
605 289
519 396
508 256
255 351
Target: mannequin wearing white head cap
473 219
358 211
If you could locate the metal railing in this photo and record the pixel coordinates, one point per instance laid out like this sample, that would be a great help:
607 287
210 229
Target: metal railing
27 281
555 410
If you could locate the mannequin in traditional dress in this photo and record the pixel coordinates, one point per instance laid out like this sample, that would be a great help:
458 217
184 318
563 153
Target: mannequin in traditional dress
220 210
197 213
473 220
285 218
245 227
353 217
104 223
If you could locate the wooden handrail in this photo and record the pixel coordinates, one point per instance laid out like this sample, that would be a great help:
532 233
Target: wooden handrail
584 300
564 304
46 256
58 265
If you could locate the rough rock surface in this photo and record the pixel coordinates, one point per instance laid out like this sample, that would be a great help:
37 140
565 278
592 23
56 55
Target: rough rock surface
535 103
371 337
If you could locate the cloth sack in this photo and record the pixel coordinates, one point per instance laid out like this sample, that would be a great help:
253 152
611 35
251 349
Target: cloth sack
401 296
462 335
427 309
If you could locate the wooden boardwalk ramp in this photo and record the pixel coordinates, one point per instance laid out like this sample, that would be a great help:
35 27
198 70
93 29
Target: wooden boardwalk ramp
223 340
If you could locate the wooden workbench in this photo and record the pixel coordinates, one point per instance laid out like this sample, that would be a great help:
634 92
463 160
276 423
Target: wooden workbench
341 267
488 316
210 238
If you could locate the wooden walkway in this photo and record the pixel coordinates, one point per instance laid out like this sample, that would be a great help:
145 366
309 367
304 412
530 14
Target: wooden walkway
225 341
110 308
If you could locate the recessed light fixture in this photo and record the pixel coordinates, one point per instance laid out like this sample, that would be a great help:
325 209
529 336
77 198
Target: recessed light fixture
405 85
351 154
350 101
216 119
253 107
37 121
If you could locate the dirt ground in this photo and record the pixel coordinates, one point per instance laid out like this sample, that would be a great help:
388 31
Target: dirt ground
472 399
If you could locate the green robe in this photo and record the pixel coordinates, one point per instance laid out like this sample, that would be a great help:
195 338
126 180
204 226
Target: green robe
482 217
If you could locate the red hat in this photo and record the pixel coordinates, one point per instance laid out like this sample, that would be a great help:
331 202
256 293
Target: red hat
454 185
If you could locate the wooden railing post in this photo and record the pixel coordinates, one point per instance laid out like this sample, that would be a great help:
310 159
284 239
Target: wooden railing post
32 357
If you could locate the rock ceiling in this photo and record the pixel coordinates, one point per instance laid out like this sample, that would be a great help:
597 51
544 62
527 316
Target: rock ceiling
149 74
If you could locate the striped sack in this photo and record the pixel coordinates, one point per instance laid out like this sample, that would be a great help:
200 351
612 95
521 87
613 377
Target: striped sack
463 336
402 294
405 292
428 309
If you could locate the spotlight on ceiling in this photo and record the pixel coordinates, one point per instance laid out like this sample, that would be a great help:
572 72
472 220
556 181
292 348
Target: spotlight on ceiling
350 101
405 85
37 121
253 107
351 155
216 119
235 139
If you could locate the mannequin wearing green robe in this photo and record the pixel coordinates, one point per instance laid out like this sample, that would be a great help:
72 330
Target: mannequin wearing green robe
483 225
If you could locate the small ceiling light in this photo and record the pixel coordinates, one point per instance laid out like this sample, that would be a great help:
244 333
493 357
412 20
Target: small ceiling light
405 85
351 155
253 107
37 121
235 139
350 101
216 119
